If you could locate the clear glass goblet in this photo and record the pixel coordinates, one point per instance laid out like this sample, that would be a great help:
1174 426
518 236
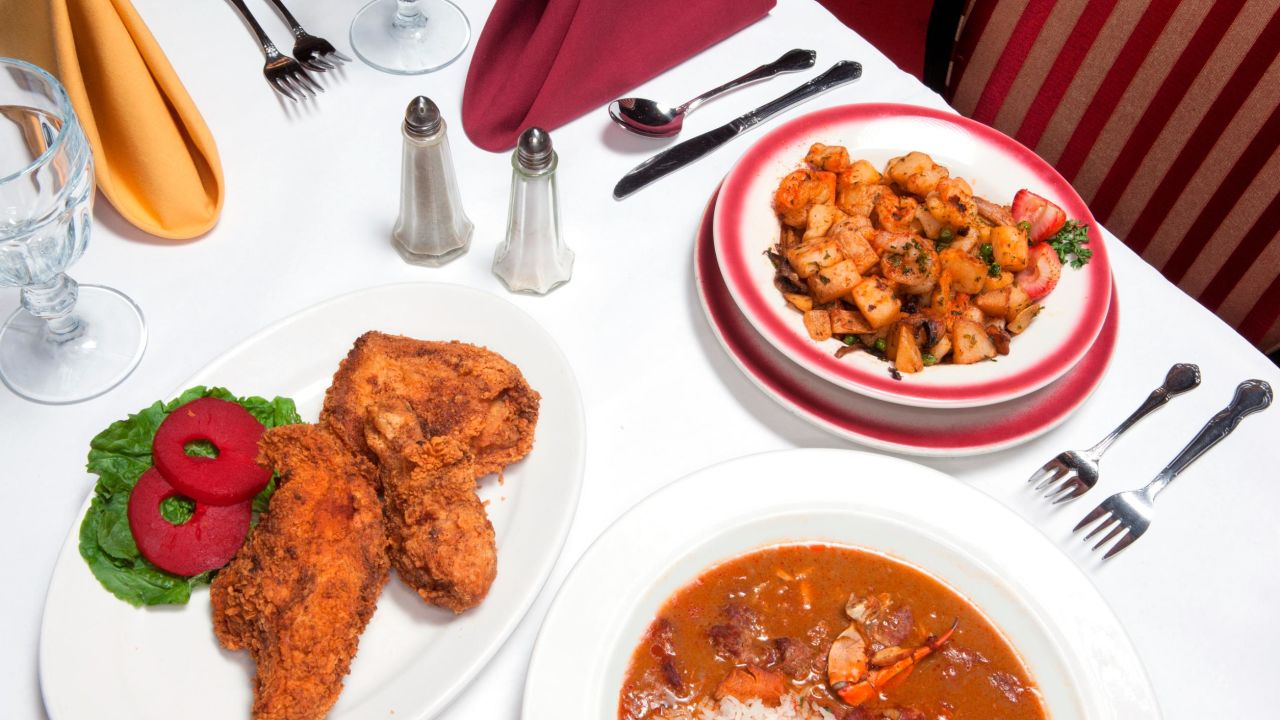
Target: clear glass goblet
68 342
410 37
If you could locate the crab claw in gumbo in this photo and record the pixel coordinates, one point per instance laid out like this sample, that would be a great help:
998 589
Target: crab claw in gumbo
856 676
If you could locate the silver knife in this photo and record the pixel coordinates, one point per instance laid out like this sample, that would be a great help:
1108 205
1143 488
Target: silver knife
681 154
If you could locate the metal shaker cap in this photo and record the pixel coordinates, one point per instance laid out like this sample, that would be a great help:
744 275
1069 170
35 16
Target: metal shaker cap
534 149
422 117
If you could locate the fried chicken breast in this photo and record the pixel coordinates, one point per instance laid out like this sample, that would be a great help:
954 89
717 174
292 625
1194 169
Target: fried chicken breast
298 594
441 542
466 392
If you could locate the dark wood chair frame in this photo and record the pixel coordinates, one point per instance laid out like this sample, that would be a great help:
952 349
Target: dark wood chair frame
944 22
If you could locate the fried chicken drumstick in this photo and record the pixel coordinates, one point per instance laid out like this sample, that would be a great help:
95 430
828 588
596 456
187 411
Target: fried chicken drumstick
466 392
441 542
298 594
434 416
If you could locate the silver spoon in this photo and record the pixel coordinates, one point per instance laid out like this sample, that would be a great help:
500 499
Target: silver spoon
652 119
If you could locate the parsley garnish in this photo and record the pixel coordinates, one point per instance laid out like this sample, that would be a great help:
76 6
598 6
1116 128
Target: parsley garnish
1025 226
1069 243
922 259
944 239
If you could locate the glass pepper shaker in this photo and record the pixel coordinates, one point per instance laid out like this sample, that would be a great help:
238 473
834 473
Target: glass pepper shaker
433 228
533 257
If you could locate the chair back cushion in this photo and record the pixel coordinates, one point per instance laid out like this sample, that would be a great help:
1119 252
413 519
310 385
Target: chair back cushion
1164 115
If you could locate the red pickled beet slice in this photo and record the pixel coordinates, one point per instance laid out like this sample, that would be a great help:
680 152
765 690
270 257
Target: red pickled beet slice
232 477
206 541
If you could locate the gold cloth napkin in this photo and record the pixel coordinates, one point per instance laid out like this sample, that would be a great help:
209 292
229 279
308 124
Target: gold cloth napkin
155 159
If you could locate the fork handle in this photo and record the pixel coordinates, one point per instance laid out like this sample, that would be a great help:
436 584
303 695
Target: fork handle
268 47
1180 378
294 25
1251 396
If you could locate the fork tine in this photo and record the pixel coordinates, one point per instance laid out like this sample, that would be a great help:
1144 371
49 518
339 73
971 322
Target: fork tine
1094 515
1121 544
1077 489
287 81
1038 475
1054 476
282 88
1064 490
1119 528
315 86
318 63
1107 522
295 79
340 56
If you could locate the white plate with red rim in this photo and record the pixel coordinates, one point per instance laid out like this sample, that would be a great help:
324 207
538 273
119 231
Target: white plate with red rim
1071 642
995 165
938 432
102 658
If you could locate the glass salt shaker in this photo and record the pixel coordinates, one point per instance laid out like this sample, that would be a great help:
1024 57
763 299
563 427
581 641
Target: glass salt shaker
533 257
433 228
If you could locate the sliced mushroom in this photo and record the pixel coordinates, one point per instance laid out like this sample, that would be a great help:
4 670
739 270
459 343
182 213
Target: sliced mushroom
1020 321
997 214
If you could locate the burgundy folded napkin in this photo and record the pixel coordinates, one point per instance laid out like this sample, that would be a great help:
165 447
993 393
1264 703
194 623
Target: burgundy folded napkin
545 62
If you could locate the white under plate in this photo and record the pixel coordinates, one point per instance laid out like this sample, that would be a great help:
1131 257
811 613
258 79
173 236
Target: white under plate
101 658
1072 644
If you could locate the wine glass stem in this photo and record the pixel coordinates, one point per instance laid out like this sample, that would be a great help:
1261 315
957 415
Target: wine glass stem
409 18
53 302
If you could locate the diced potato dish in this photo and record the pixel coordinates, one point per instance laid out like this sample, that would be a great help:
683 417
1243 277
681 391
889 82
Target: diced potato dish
906 262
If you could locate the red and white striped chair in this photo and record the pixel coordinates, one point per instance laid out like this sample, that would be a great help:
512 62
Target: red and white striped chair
1165 115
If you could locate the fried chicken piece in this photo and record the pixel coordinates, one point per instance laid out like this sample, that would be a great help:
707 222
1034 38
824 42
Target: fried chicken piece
441 542
469 393
298 594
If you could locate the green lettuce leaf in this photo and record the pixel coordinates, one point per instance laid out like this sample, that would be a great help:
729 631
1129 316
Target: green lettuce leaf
113 535
177 510
272 413
118 456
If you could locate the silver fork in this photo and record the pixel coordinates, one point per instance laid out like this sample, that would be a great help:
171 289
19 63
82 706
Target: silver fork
283 72
1132 511
313 52
1078 469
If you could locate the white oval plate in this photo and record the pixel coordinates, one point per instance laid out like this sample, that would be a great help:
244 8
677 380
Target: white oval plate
995 165
101 658
1073 645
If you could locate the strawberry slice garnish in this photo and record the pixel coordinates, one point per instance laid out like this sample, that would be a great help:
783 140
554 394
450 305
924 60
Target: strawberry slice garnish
1042 272
1045 218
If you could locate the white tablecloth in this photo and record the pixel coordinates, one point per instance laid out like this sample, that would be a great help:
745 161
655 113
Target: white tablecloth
312 196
